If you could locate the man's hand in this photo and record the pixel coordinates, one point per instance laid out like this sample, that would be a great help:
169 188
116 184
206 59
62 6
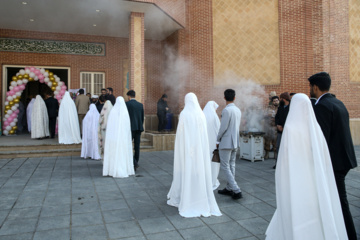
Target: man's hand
279 128
167 109
217 146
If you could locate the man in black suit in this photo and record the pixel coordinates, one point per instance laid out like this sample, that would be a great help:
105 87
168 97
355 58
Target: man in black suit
110 96
52 106
136 113
333 119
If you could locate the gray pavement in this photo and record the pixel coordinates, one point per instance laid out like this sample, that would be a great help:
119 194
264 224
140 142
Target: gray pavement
67 198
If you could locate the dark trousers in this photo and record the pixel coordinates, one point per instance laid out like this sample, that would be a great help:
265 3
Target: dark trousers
340 183
136 135
52 126
162 122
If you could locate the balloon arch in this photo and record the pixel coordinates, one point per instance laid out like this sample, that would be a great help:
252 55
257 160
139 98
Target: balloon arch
17 86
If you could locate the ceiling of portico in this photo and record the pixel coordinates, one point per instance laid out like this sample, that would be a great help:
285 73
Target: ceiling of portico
90 17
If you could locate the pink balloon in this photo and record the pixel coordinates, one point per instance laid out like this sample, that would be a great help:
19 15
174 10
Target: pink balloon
17 111
41 77
16 89
41 80
22 87
26 68
32 69
37 72
62 91
11 92
7 93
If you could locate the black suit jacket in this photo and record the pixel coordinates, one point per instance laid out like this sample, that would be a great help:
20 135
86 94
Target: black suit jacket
333 119
281 115
111 98
136 113
52 106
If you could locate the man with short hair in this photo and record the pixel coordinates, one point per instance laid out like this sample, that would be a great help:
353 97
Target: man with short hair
52 106
333 118
280 118
82 103
270 127
162 109
228 142
136 113
110 96
103 92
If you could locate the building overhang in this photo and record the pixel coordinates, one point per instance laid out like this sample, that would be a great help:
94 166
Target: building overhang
89 17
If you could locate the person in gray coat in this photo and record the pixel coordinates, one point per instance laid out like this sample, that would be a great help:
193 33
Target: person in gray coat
228 143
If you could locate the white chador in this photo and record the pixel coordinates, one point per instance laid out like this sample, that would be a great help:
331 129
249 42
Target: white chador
308 205
89 147
104 115
213 126
118 154
39 119
191 189
28 113
69 130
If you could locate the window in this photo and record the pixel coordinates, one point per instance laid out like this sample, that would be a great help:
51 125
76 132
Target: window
93 82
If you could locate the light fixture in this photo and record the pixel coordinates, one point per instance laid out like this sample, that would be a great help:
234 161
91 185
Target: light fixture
94 25
24 3
32 20
97 10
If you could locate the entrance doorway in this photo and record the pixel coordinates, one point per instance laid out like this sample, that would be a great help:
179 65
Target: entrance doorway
32 89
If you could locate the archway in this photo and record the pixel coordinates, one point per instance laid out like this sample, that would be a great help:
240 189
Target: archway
17 86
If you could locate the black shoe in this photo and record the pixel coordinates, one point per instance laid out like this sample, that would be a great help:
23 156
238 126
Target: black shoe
225 192
237 195
274 167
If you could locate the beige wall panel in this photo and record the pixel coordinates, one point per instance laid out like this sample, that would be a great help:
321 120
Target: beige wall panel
246 40
355 130
354 24
137 56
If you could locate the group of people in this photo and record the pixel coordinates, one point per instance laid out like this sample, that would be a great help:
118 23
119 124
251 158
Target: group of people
41 116
108 135
316 153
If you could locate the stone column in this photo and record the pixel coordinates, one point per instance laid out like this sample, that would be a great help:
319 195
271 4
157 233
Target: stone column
136 61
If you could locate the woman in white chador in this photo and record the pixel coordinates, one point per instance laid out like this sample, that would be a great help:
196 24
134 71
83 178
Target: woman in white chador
118 155
68 122
308 205
104 115
39 119
89 147
191 189
28 113
213 126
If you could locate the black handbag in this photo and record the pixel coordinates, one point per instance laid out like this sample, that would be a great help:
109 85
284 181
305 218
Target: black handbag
216 156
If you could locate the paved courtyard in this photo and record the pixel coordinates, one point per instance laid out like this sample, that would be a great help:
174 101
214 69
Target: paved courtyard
67 198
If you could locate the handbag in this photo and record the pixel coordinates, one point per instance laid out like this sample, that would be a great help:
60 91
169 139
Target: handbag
216 157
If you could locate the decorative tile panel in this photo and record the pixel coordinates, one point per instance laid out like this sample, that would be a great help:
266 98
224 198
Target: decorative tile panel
354 25
246 40
46 46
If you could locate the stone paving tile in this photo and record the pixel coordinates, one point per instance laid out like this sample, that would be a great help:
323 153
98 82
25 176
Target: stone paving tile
97 232
124 229
119 215
18 226
254 225
84 219
47 223
230 230
58 234
155 225
173 235
180 222
49 211
198 233
33 212
22 236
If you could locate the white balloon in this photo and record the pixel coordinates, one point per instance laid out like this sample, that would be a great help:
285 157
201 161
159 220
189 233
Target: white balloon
27 71
60 101
17 74
49 84
56 93
11 87
19 82
60 83
7 116
4 119
22 71
42 70
8 128
32 75
17 105
36 78
46 79
9 112
15 120
13 108
12 124
9 98
18 94
46 74
25 81
58 88
13 83
6 132
6 103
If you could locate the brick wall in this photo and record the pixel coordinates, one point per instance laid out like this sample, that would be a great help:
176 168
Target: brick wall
117 49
